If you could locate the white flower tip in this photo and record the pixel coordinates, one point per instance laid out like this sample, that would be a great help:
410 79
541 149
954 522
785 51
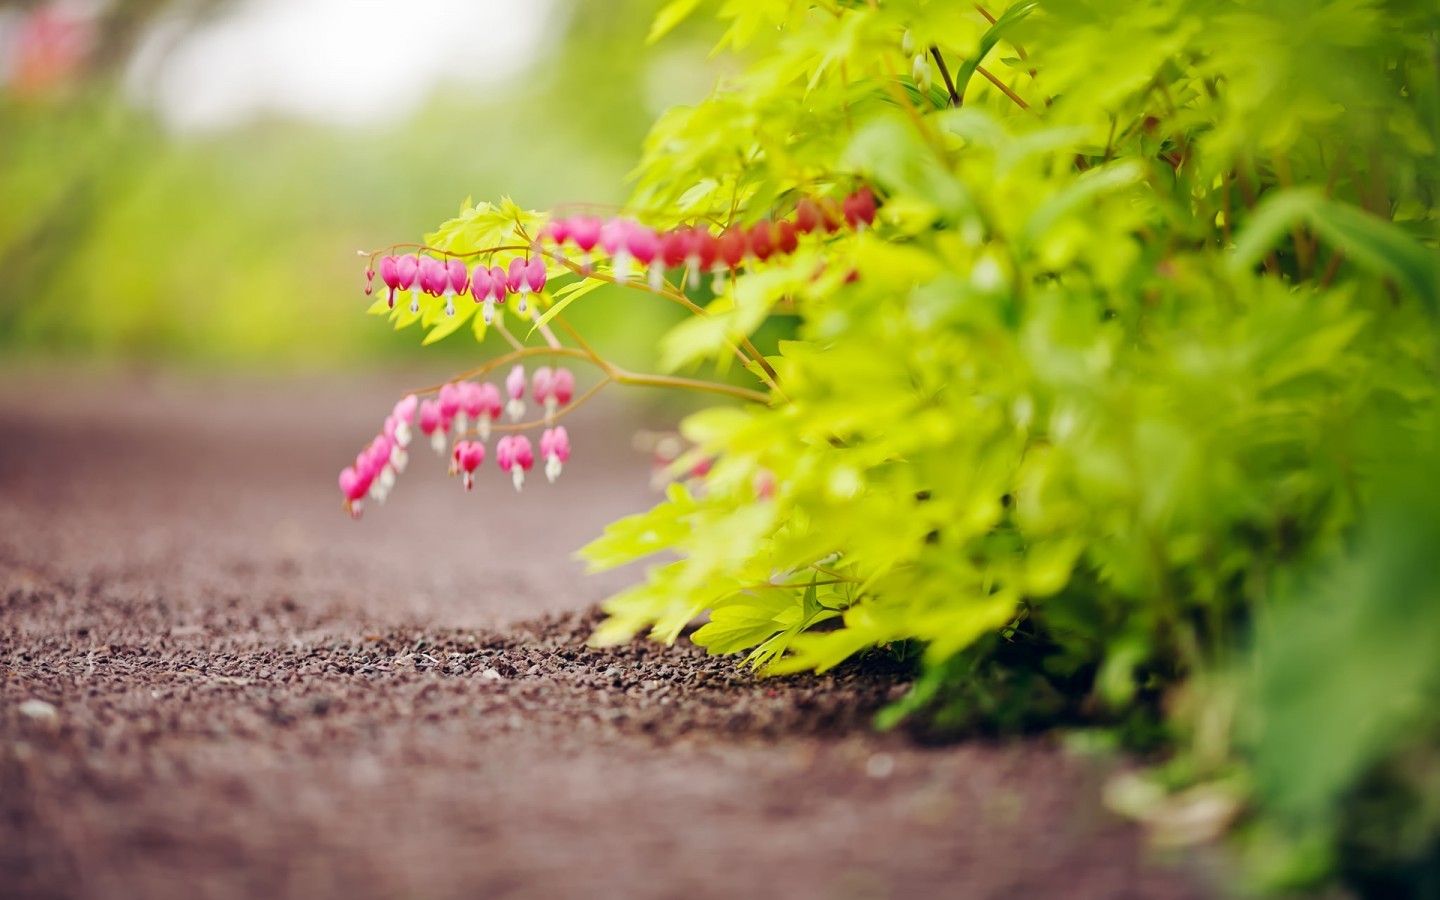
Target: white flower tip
517 475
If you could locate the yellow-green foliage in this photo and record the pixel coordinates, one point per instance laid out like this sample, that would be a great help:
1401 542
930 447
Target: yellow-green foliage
1117 343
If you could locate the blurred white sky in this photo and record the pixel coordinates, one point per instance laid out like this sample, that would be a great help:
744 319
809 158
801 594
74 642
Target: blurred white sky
349 62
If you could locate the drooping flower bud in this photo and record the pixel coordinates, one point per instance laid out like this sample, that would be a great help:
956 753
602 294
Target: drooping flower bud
555 450
542 384
615 240
552 388
407 270
467 458
353 488
515 387
490 409
480 290
390 277
920 71
449 398
514 454
644 246
674 247
563 387
499 283
786 239
457 281
519 283
704 247
760 240
807 216
764 484
859 209
585 232
404 415
557 232
535 274
430 424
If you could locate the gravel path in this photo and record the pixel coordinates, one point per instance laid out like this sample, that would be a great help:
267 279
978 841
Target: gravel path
215 685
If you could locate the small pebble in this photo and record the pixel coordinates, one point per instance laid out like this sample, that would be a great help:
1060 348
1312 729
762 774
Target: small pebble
880 765
39 710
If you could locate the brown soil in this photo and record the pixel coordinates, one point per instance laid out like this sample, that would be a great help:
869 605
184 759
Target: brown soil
254 697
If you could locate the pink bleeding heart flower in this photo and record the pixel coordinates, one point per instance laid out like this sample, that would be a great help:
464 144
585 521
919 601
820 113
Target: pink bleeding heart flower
675 247
859 209
407 272
760 240
449 401
535 275
563 386
786 239
449 398
499 283
515 387
398 433
480 289
517 279
704 247
542 383
405 408
353 487
430 424
490 409
433 276
514 454
555 450
390 277
807 216
585 232
552 388
457 281
615 240
644 246
556 232
731 247
764 484
467 458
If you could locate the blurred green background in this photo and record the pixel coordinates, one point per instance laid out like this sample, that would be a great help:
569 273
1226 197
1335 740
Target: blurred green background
188 182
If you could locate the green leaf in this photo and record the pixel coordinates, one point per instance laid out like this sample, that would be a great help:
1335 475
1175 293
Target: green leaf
988 40
448 325
563 298
673 13
1368 240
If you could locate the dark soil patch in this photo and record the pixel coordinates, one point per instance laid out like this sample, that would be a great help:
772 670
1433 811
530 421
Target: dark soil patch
242 694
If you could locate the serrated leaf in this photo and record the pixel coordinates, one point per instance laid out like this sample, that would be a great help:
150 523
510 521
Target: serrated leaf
564 297
448 325
669 17
988 40
1370 241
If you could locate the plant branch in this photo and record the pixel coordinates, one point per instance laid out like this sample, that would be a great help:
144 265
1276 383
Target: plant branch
945 75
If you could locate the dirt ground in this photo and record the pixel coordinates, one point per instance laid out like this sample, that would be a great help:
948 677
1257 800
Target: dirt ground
247 695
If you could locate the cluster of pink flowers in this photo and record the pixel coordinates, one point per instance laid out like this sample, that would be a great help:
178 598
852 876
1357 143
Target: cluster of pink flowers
696 248
460 409
376 467
449 278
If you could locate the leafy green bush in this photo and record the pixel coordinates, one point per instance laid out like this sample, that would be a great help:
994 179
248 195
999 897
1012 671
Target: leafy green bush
1151 293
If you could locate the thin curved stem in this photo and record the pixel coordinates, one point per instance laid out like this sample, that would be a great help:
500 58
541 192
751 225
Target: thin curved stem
499 326
562 411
